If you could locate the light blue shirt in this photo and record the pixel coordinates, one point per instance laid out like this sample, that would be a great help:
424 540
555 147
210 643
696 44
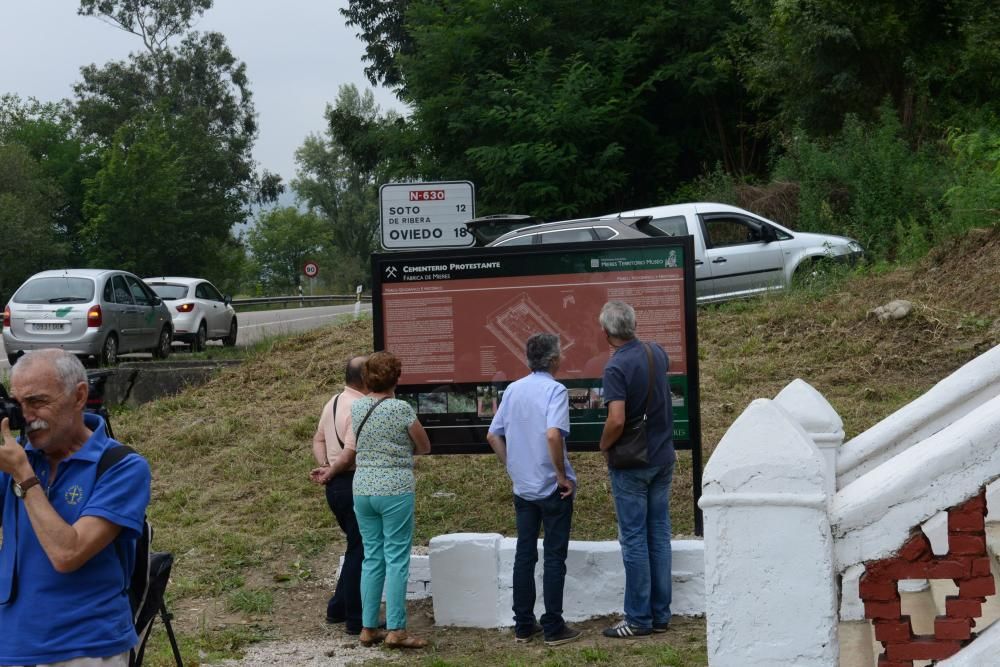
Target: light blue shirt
530 407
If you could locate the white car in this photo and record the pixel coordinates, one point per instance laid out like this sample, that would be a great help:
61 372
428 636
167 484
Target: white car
200 312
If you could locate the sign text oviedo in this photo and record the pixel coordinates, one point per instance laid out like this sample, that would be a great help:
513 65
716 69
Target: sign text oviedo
426 215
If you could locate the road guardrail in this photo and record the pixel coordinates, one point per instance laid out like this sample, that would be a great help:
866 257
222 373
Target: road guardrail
300 301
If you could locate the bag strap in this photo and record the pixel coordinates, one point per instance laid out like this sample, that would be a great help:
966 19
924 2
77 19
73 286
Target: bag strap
339 440
111 456
357 433
649 385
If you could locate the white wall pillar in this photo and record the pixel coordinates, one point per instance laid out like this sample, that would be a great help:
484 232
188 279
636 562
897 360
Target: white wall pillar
815 414
769 573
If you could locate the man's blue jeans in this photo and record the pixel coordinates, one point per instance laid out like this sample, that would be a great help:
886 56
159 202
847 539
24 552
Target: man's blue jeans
555 514
642 502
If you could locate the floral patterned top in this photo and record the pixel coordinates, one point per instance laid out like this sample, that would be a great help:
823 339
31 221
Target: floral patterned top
385 450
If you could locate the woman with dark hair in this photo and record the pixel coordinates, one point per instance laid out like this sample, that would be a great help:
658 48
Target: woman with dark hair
388 435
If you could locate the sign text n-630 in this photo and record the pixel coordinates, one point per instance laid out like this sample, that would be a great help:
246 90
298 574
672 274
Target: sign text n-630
427 195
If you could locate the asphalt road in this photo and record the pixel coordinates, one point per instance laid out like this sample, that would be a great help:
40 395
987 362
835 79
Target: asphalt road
261 324
255 326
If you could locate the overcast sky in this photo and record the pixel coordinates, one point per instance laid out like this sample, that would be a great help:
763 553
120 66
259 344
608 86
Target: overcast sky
297 52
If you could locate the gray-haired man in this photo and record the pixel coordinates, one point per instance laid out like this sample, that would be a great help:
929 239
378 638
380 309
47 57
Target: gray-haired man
528 435
642 495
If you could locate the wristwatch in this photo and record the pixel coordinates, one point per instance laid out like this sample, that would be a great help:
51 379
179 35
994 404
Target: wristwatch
22 488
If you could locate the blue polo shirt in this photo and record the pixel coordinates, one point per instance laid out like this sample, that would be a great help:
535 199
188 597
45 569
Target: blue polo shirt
530 407
626 378
46 616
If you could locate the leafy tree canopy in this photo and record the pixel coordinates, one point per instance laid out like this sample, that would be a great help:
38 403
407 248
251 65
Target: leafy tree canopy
30 235
340 189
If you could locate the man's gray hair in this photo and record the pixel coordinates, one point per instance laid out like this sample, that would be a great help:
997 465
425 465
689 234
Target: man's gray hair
618 320
68 368
541 350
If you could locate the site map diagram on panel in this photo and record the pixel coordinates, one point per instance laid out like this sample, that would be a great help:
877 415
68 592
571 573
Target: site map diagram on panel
520 318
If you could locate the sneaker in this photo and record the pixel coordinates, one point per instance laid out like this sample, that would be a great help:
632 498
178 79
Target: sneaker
661 627
526 635
564 636
622 630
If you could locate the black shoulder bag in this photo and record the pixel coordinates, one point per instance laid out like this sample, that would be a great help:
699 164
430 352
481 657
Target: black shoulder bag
631 449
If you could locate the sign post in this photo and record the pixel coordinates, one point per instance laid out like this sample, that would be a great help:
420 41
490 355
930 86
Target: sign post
426 215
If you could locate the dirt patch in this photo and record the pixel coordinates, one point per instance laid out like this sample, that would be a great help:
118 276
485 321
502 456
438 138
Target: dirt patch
325 645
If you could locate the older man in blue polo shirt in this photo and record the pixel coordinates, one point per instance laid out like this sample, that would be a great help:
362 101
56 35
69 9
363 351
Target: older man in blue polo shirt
528 435
63 584
641 494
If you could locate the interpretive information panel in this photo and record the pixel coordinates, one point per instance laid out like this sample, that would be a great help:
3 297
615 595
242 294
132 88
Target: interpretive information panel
459 321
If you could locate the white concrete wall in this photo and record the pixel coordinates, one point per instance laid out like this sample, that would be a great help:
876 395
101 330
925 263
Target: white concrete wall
771 596
472 575
418 586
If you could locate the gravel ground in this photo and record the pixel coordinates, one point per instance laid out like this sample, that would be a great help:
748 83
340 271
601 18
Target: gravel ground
333 652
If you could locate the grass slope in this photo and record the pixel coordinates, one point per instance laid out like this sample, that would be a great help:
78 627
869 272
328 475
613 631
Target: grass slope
255 543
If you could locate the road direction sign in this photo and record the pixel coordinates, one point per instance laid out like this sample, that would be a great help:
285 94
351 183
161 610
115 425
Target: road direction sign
426 215
311 269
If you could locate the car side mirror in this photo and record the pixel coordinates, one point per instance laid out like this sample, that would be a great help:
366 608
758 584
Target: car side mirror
228 300
767 234
157 301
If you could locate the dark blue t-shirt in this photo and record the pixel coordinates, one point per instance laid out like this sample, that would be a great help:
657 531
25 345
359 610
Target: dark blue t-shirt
626 378
46 616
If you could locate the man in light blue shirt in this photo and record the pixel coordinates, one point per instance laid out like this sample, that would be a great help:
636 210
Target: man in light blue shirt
528 435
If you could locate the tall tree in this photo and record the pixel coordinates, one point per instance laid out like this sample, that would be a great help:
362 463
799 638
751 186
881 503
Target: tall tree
817 61
557 107
281 242
190 102
31 238
49 135
343 190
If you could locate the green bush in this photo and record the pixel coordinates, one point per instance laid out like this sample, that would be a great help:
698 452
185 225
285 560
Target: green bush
866 183
974 198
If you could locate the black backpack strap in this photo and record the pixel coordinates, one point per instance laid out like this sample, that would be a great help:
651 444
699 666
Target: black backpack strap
111 456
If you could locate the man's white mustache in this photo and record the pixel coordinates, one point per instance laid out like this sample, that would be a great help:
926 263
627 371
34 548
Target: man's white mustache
37 424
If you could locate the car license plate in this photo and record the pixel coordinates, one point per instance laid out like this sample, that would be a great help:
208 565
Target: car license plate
47 326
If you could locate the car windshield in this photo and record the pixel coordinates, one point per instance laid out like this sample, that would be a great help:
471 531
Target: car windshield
169 291
59 289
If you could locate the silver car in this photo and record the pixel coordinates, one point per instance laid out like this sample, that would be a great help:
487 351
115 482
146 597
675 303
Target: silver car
200 311
90 312
736 253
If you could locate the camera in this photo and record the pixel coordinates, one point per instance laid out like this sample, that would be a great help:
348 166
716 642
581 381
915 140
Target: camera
10 409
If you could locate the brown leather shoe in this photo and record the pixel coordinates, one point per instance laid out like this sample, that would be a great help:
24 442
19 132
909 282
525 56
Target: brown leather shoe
371 636
402 639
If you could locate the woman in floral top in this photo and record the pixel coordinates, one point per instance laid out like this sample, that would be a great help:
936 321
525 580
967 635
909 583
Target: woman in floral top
388 435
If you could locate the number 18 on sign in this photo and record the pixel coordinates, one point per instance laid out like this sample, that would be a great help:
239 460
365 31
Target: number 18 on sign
426 215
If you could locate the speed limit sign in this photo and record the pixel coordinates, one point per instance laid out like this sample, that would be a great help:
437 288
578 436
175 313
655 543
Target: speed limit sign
311 269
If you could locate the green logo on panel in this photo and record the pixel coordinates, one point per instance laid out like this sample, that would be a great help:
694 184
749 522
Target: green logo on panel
63 312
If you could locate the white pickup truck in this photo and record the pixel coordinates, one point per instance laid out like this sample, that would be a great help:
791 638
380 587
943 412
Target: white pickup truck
737 253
